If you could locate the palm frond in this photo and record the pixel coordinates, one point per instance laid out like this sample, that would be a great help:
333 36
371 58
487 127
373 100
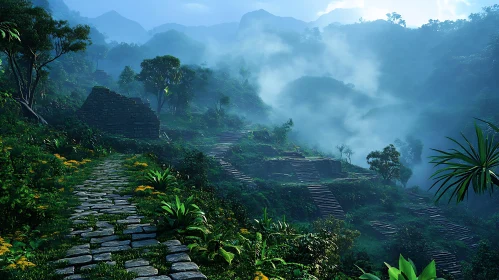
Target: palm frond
465 167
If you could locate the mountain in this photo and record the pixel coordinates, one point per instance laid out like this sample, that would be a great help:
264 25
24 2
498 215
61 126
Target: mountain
175 43
223 32
120 29
262 19
341 16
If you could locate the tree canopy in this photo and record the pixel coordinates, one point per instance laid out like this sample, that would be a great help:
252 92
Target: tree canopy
386 163
43 40
159 75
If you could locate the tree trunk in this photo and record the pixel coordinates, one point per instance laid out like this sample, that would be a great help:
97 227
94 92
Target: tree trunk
29 113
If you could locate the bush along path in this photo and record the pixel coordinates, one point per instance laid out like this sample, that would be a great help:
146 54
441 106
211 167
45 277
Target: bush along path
106 225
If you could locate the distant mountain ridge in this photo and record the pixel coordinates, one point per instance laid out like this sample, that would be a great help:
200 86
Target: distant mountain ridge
119 28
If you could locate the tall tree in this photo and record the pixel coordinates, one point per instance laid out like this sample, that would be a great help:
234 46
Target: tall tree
385 162
43 40
159 75
396 19
127 77
97 52
182 92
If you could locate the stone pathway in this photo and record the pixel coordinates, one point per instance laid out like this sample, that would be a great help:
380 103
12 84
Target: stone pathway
99 198
225 141
386 230
322 196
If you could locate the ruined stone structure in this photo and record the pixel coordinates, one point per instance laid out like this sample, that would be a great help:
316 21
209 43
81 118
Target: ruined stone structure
117 114
324 167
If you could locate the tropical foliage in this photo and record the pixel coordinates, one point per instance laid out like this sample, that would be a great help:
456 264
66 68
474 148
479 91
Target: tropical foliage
470 166
406 271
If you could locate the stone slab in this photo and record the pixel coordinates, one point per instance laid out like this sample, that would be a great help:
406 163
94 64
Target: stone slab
136 262
179 257
143 270
184 266
189 275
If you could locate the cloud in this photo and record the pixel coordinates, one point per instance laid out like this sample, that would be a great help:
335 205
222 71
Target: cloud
344 4
449 9
197 7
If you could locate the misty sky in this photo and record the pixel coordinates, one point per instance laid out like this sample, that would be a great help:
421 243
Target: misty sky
151 13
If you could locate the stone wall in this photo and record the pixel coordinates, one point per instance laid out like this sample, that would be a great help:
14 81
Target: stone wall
117 114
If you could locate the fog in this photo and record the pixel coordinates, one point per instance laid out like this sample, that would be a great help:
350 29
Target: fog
363 84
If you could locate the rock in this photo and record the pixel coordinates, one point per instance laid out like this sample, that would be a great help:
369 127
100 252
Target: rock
136 262
129 221
161 277
115 243
89 266
189 275
143 236
143 270
133 230
99 233
104 239
74 277
65 271
110 249
77 260
172 243
179 257
184 266
177 249
149 229
77 252
104 224
76 232
102 257
143 243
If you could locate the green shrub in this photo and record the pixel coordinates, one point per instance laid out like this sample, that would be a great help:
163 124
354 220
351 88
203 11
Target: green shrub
406 271
161 180
184 216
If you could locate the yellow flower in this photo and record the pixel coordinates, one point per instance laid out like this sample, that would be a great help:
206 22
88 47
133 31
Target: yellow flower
11 266
72 162
43 207
44 162
4 246
59 157
244 231
143 188
61 189
37 196
31 171
260 276
23 263
60 180
140 164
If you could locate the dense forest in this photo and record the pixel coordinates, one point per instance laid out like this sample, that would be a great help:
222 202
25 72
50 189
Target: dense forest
269 148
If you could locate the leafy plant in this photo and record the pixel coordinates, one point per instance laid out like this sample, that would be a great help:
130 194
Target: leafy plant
471 166
160 180
213 245
184 216
406 271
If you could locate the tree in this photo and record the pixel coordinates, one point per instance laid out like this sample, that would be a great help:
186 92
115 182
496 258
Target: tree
8 30
223 101
181 93
281 132
97 52
385 162
348 154
396 19
127 77
341 148
468 166
43 40
159 75
405 175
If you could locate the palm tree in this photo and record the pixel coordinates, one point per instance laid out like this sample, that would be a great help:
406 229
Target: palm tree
469 166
